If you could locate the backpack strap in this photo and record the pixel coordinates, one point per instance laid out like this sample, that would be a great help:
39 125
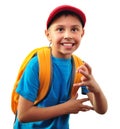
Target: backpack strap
15 95
45 72
76 76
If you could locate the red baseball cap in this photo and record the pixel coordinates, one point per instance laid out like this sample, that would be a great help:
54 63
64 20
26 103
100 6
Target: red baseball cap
61 8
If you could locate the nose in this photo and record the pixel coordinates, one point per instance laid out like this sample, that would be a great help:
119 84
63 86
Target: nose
67 35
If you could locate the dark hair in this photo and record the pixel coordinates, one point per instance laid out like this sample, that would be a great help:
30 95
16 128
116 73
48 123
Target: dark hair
66 13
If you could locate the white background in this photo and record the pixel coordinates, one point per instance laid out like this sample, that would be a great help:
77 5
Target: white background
22 25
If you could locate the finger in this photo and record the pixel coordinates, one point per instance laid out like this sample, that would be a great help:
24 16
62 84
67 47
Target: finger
87 108
82 67
88 67
78 84
84 100
84 73
76 96
84 109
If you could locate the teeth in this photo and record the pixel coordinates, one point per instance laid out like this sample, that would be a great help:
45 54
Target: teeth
67 44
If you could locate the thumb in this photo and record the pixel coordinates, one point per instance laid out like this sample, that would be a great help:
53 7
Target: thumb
78 85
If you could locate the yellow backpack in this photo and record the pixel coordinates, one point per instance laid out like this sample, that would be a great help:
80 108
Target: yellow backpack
44 59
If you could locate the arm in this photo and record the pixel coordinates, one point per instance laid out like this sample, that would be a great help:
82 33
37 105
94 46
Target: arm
27 112
95 95
98 101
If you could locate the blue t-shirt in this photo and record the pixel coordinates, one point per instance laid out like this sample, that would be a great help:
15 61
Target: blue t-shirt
59 92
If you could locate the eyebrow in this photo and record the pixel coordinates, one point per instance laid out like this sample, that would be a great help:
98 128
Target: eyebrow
70 26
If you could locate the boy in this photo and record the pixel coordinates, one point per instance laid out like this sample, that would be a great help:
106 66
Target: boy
64 30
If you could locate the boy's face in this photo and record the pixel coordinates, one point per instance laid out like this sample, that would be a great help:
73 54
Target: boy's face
65 34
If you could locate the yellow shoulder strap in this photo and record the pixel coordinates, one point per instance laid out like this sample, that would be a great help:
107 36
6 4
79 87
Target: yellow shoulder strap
44 58
77 76
15 95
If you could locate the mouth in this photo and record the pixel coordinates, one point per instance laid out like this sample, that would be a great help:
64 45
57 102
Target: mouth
68 44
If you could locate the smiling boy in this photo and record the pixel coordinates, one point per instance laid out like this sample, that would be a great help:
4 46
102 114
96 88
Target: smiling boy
64 30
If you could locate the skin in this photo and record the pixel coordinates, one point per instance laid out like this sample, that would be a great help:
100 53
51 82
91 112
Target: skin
96 96
63 32
65 35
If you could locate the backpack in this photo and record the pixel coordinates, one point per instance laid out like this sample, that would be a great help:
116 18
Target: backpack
44 59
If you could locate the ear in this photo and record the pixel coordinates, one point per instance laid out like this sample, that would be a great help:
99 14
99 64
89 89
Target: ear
83 33
47 33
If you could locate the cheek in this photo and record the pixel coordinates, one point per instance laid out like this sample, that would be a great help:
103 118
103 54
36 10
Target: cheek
56 39
78 38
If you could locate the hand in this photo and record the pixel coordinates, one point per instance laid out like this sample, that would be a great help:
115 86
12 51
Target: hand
87 79
75 105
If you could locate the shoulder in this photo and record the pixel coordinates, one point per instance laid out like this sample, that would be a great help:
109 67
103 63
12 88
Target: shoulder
33 64
33 61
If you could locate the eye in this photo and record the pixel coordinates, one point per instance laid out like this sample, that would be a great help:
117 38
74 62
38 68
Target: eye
60 29
75 29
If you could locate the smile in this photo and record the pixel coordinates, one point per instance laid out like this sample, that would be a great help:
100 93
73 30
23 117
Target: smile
68 44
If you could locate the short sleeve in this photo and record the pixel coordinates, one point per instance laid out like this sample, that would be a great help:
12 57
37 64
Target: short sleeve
29 82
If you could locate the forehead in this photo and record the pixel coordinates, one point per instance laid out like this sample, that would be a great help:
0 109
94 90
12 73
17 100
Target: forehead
65 13
66 21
